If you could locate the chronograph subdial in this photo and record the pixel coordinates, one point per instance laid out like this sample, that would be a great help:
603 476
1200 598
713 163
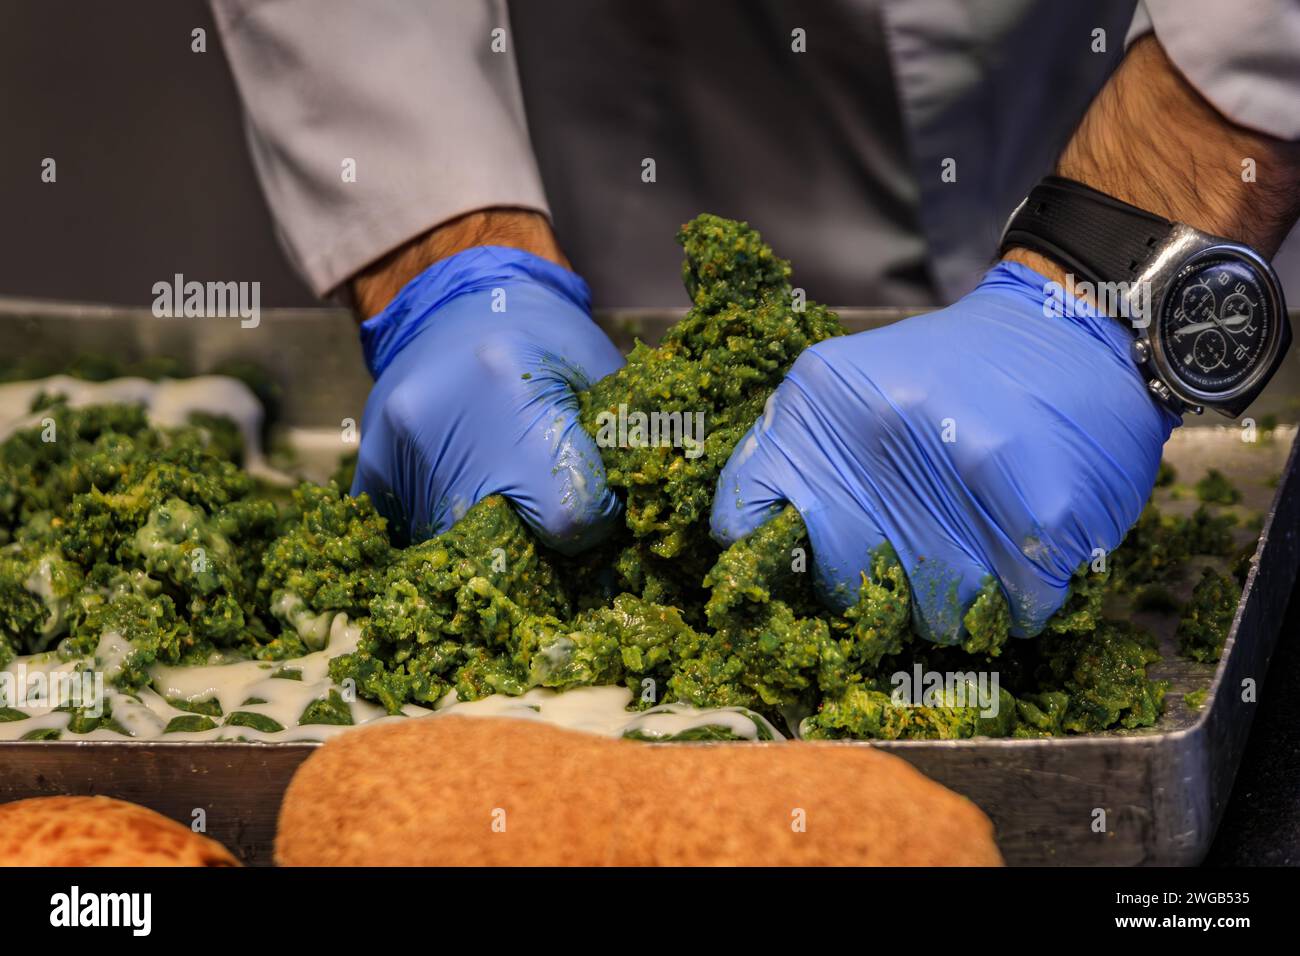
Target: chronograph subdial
1236 313
1209 349
1198 303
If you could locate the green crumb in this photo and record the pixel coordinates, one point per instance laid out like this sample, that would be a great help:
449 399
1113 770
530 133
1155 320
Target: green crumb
1195 699
1207 533
47 733
1081 612
864 712
1203 628
81 721
189 724
988 622
1105 675
328 710
1158 547
9 714
288 673
706 733
246 718
1216 489
208 706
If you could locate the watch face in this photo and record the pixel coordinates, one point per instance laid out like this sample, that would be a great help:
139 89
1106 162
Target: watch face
1218 323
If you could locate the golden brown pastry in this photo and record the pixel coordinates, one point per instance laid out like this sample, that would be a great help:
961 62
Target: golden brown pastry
99 831
469 791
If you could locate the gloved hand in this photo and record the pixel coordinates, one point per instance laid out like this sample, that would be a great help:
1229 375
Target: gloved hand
984 439
476 363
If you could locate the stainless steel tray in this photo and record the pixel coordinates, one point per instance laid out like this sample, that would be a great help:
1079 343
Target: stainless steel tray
1162 790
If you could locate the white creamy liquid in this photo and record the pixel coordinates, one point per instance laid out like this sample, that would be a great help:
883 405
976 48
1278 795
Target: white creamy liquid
600 710
144 716
168 403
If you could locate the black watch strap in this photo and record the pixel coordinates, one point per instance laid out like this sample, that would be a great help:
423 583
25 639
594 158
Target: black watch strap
1095 236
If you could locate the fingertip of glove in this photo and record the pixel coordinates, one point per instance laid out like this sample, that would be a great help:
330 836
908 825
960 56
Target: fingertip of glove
737 511
733 519
728 531
572 533
837 593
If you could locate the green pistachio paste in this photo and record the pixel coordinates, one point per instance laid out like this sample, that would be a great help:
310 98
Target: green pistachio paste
157 538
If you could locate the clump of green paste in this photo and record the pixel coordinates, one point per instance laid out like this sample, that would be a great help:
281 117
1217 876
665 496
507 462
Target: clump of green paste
1216 489
661 606
1203 627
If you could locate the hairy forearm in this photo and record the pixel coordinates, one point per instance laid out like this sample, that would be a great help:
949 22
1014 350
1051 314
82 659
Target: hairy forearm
1151 140
376 285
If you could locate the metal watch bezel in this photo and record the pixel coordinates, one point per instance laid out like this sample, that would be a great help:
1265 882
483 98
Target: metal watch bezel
1184 249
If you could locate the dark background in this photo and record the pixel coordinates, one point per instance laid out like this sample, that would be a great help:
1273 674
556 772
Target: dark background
153 170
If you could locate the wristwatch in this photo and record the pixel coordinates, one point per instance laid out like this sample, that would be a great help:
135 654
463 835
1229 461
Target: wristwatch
1208 317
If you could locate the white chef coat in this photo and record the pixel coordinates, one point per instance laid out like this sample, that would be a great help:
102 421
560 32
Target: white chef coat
882 158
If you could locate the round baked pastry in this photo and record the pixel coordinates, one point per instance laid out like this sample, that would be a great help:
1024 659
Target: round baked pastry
99 831
467 791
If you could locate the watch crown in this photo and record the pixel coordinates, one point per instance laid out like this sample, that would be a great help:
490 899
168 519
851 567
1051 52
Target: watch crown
1141 351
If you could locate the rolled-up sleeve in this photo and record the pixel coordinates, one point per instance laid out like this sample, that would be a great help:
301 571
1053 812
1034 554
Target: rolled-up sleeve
370 123
1242 56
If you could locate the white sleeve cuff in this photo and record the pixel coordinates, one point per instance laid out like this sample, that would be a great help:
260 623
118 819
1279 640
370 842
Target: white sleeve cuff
410 92
1243 56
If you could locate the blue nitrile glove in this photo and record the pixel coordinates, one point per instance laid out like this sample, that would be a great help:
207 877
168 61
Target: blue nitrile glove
476 363
984 439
